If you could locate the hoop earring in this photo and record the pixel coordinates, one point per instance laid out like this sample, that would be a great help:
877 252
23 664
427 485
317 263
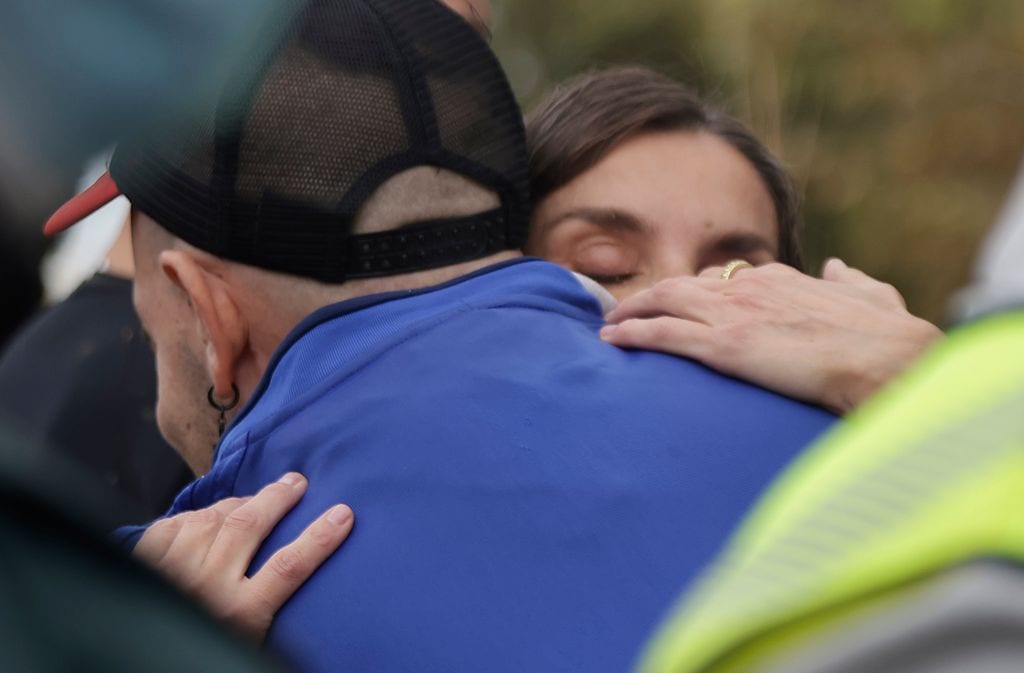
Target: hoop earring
223 408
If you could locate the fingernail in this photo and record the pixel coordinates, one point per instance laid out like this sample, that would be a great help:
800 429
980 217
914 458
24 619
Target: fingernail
607 331
293 479
339 515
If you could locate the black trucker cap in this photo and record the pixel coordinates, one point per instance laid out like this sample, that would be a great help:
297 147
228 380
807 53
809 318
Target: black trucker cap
273 171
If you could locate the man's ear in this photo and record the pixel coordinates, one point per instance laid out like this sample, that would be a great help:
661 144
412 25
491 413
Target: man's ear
220 323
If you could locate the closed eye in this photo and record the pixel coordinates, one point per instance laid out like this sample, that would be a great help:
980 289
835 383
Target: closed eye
611 280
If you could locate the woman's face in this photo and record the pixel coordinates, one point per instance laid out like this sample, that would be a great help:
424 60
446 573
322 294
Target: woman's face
660 205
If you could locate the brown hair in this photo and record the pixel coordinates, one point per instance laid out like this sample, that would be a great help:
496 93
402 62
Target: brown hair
585 118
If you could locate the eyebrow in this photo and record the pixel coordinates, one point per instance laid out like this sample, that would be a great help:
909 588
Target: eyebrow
606 218
614 219
744 243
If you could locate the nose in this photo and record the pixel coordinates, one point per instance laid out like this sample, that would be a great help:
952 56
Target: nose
673 261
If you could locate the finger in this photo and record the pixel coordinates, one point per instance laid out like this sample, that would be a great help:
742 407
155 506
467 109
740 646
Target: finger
690 298
787 288
246 527
190 547
837 271
712 272
293 564
157 539
667 335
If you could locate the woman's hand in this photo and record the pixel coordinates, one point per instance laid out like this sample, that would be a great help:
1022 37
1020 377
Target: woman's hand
832 341
207 552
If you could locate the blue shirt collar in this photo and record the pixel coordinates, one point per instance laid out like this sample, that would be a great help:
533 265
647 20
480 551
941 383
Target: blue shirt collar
339 333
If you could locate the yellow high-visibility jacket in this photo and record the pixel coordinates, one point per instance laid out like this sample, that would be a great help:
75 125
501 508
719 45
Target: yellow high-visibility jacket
895 544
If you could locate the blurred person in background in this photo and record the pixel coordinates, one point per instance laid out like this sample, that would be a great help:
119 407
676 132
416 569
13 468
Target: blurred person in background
998 283
80 380
19 275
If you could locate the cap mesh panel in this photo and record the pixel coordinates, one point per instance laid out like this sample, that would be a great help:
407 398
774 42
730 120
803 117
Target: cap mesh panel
352 93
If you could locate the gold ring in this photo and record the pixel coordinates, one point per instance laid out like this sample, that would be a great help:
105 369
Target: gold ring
734 266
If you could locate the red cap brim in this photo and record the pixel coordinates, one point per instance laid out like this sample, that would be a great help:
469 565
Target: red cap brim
102 192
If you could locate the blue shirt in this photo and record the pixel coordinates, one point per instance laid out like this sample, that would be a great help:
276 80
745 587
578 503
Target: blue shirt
527 497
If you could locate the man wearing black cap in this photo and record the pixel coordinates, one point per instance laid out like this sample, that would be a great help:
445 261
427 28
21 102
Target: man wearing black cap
326 263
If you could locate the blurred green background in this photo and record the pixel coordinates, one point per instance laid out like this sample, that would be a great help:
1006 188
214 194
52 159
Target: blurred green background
901 120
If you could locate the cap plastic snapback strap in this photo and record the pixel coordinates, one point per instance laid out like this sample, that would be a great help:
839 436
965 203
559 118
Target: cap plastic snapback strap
425 245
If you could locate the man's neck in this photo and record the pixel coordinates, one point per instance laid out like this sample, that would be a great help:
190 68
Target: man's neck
277 305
